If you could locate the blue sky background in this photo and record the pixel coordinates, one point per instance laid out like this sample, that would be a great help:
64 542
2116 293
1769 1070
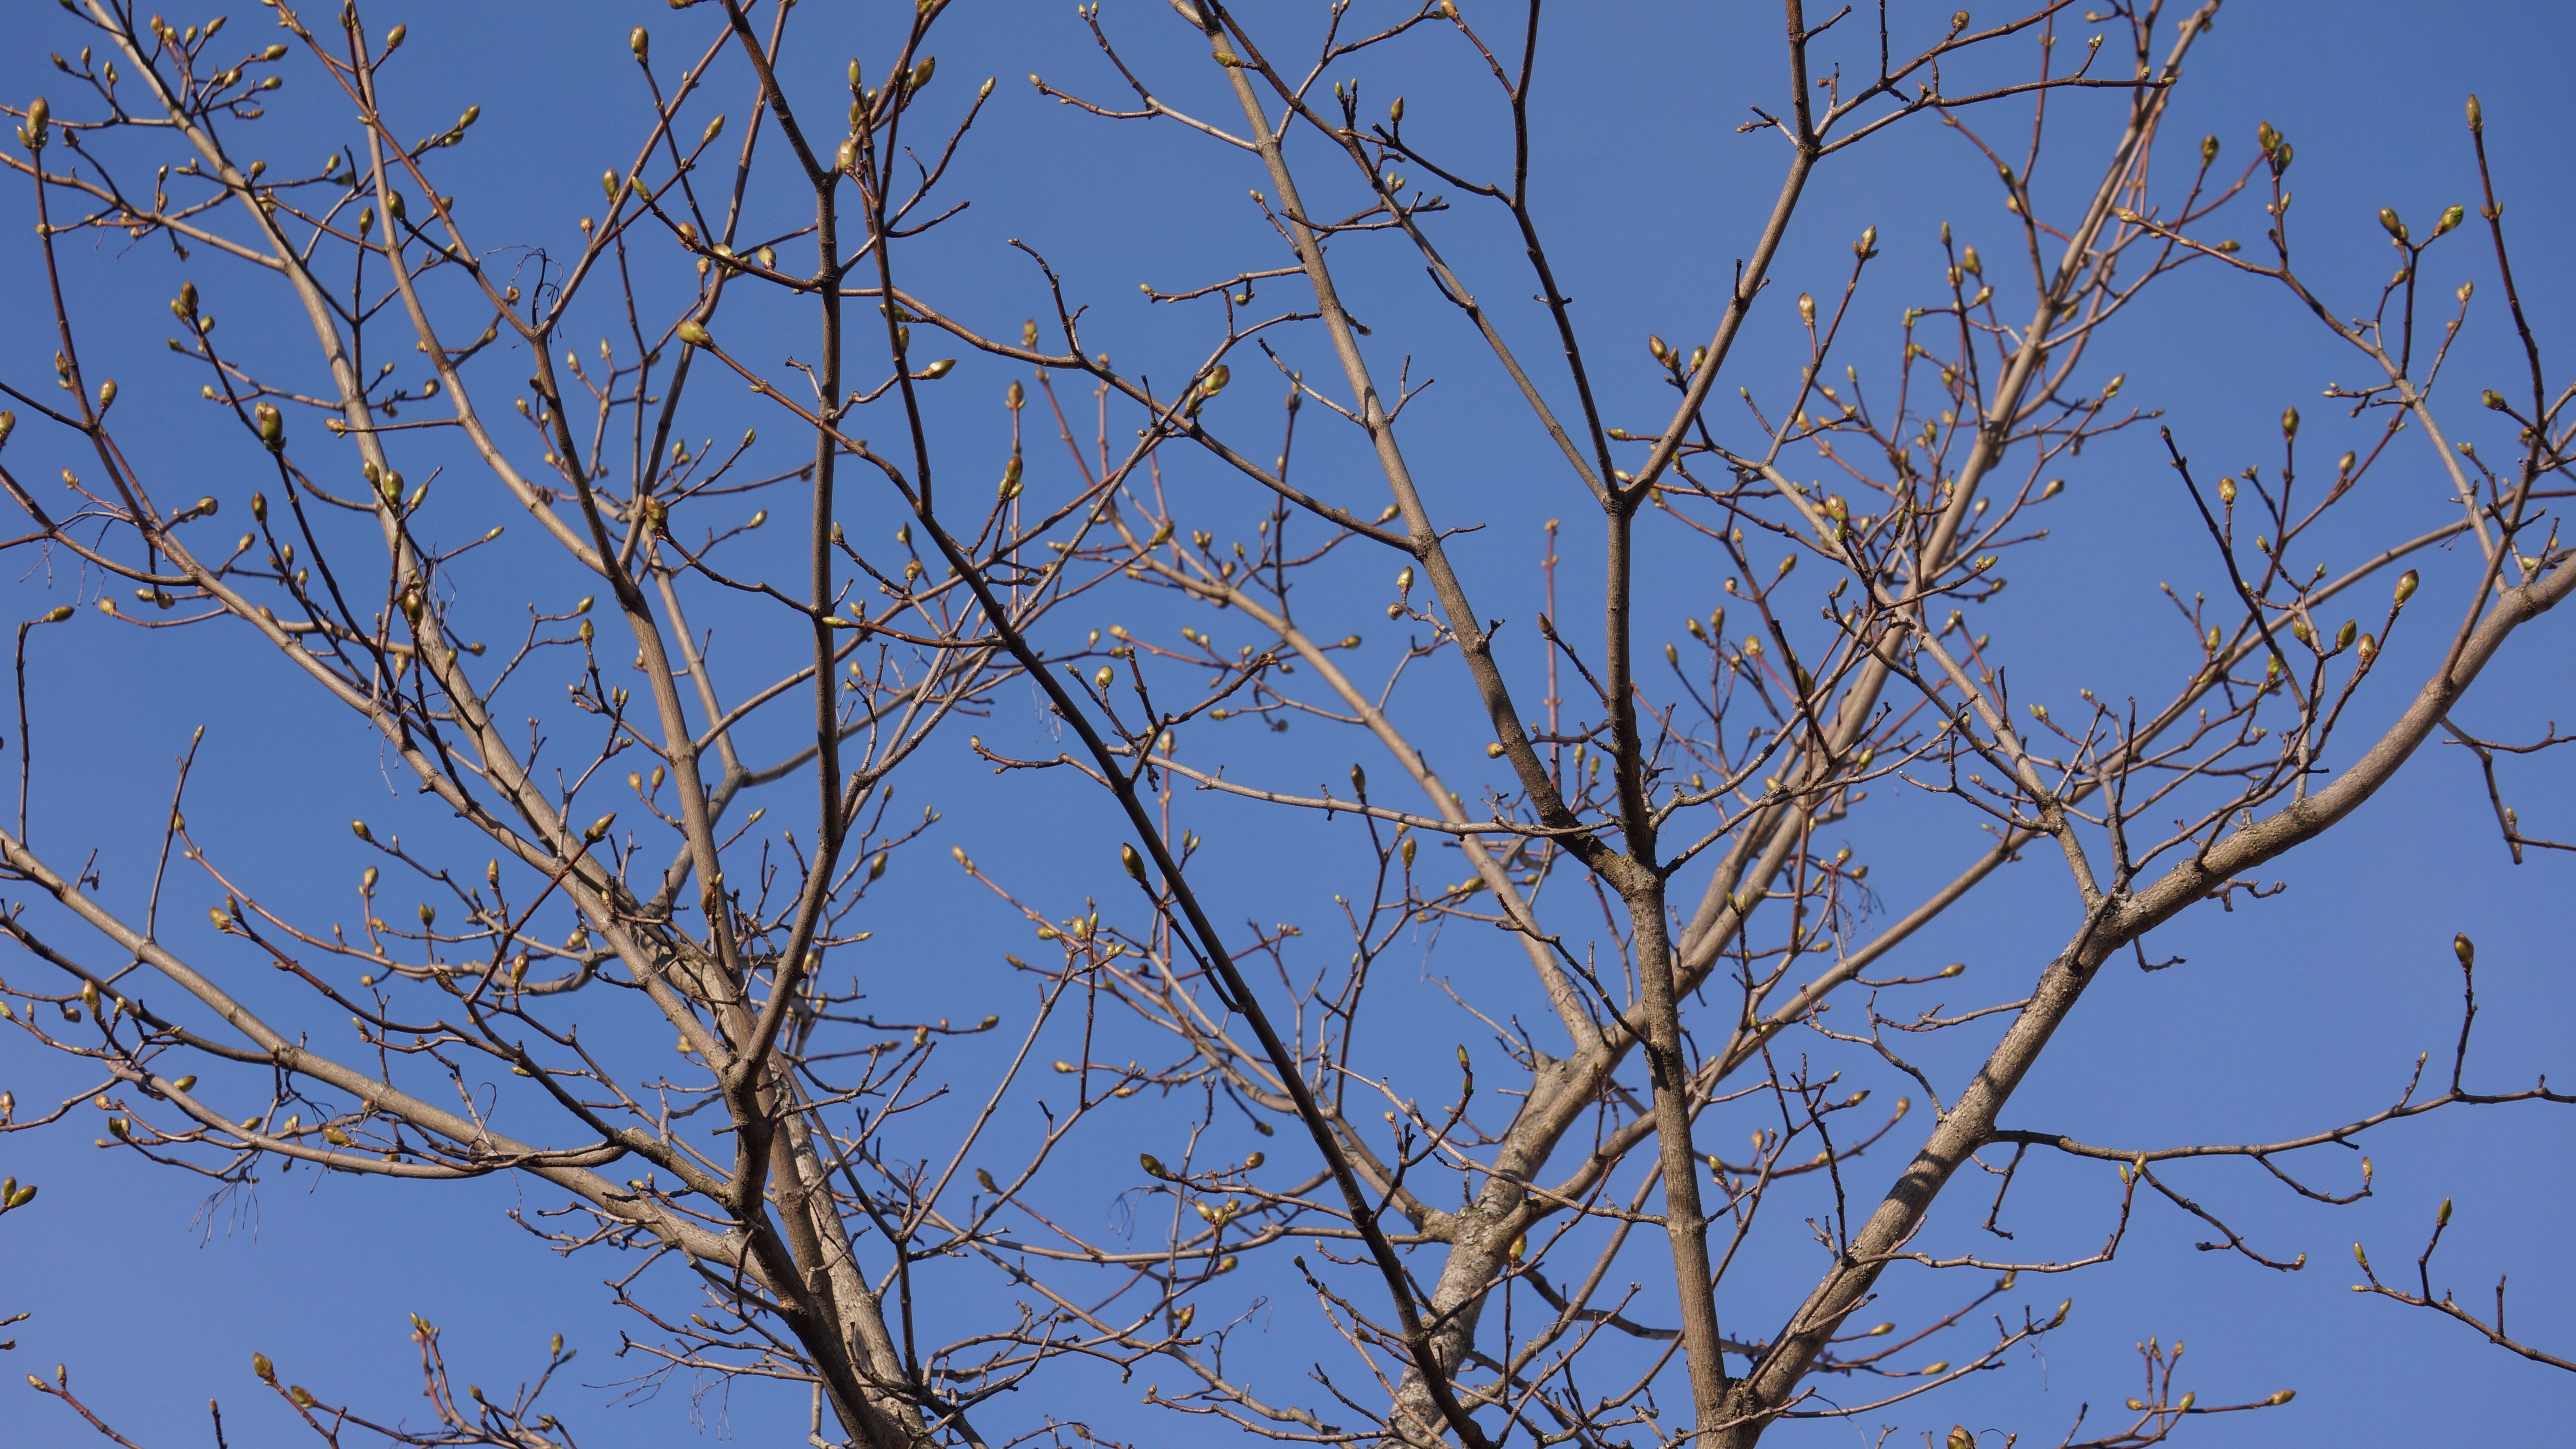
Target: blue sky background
2294 1014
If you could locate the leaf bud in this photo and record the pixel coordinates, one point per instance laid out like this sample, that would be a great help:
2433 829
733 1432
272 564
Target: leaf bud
2465 949
272 426
2388 222
1134 863
714 129
641 42
360 828
2493 399
2477 115
394 38
937 370
2406 585
1657 346
2208 149
1153 1165
692 333
2450 218
2442 1219
2289 422
259 1363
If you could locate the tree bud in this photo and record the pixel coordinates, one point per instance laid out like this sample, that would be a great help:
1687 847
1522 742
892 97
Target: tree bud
360 828
2465 949
640 42
394 38
272 426
2451 218
2289 422
2406 585
695 335
2388 221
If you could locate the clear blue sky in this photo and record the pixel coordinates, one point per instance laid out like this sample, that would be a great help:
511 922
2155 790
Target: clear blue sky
2290 1015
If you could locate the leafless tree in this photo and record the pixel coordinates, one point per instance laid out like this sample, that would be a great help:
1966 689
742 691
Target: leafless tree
1653 840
